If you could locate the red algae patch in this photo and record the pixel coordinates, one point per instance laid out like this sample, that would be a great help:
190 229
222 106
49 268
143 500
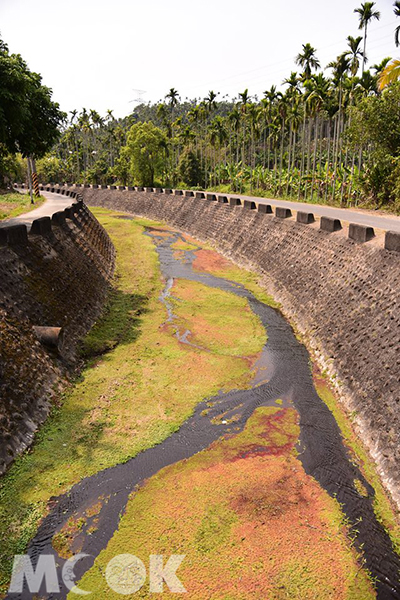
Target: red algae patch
210 262
250 524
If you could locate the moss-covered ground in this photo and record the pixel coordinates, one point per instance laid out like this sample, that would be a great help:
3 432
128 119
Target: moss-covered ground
13 204
249 521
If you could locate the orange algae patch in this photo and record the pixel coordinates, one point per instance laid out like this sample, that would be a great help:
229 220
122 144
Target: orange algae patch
182 245
217 320
211 262
250 521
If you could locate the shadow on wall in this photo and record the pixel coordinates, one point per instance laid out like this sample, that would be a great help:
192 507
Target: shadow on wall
56 276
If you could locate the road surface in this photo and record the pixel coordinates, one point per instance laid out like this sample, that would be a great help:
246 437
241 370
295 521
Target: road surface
52 204
347 215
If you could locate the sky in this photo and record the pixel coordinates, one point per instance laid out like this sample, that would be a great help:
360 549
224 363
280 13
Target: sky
110 54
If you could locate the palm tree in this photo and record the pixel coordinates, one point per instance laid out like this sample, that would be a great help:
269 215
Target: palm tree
366 15
397 30
379 67
244 101
234 122
354 54
368 84
271 96
318 89
390 74
340 69
210 101
217 137
295 120
173 97
308 60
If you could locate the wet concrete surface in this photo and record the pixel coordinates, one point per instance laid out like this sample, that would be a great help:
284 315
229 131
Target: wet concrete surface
283 372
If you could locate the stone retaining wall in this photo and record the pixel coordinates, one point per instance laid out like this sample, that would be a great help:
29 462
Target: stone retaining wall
343 295
55 276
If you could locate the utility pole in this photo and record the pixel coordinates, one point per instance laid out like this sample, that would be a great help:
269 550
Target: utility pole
35 181
28 162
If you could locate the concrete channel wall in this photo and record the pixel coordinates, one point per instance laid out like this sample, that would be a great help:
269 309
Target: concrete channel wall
342 292
54 281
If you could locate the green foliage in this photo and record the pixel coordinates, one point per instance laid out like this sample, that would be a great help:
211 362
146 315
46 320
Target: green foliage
99 172
49 168
29 119
376 123
121 168
146 151
11 168
189 168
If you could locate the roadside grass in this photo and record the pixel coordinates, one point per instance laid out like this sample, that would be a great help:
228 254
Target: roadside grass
248 520
13 204
138 386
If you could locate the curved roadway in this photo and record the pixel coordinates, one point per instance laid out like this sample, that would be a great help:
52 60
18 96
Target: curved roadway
53 203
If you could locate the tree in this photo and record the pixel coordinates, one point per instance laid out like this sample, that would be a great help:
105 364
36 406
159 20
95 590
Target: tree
146 149
308 60
396 6
376 122
354 54
366 15
29 119
379 67
189 168
49 168
390 74
173 97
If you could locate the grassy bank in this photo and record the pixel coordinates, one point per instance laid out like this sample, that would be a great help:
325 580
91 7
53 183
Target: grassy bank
138 386
13 204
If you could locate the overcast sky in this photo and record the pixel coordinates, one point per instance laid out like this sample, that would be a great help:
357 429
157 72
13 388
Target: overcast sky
105 53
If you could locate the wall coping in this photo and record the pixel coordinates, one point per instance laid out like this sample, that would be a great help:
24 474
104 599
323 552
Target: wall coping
358 233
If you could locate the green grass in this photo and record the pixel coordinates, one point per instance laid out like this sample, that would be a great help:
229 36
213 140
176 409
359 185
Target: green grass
14 204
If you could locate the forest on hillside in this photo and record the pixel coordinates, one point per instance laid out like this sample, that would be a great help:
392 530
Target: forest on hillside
327 133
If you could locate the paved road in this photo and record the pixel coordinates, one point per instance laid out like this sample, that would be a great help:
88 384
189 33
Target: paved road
387 223
53 203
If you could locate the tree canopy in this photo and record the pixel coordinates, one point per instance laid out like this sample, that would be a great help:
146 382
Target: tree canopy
145 152
29 119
